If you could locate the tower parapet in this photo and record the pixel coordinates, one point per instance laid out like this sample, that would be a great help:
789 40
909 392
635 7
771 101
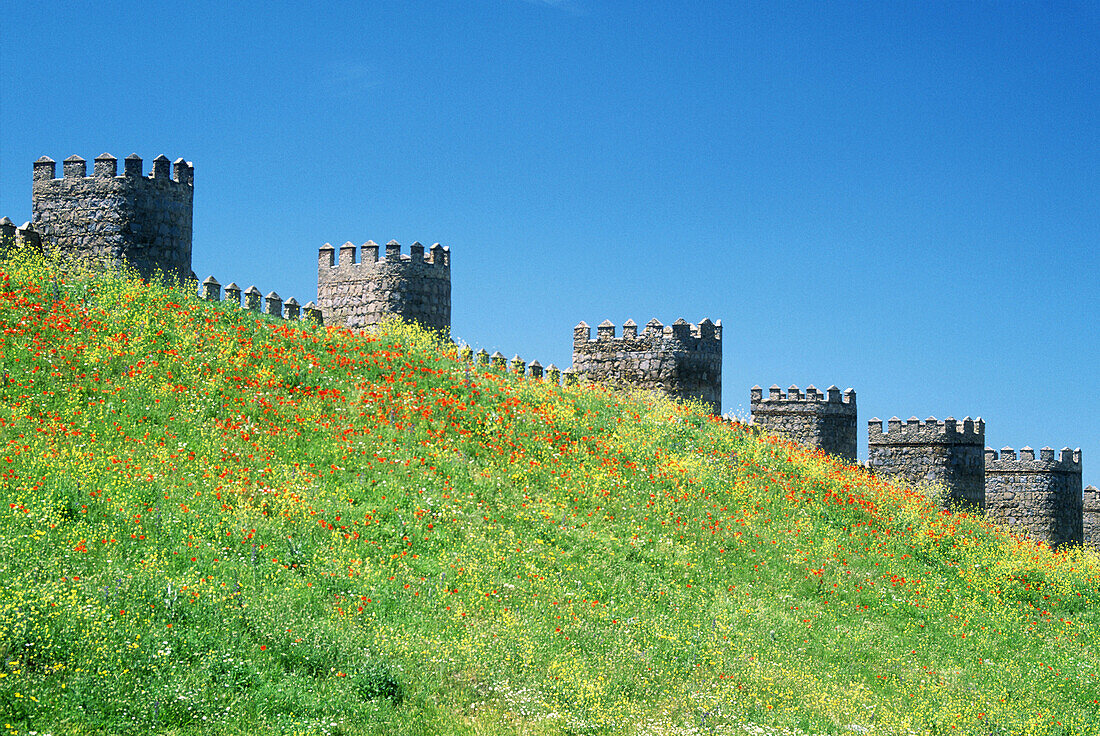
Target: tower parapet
1041 496
682 360
360 294
110 217
825 421
947 452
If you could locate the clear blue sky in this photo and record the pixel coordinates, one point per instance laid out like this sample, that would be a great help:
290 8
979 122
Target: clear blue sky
903 198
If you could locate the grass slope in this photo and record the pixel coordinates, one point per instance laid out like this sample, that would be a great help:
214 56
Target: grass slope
215 522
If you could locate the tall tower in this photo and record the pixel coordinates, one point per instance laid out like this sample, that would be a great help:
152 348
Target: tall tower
110 218
415 287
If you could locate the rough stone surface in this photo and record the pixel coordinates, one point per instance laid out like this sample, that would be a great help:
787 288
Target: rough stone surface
414 287
941 452
1041 497
141 220
825 421
12 237
1091 517
682 360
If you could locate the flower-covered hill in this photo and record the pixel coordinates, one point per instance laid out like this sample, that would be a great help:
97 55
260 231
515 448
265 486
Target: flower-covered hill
214 522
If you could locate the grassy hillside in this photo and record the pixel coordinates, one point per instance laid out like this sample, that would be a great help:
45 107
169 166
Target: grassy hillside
215 522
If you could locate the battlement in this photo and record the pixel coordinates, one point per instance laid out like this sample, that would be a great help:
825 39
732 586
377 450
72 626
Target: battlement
825 421
1067 461
142 220
534 370
699 336
945 452
1040 497
254 300
106 167
794 398
682 360
362 293
916 432
24 236
438 255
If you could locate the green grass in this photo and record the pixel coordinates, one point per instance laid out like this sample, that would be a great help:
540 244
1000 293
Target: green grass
216 522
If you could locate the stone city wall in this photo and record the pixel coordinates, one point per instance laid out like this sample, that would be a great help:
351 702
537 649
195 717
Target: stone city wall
941 452
535 370
825 421
1041 497
254 300
415 287
110 218
681 360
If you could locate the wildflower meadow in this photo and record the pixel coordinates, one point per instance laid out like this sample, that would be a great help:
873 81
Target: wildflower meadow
212 521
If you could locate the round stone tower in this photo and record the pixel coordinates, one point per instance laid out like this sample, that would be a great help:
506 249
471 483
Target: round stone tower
144 221
415 287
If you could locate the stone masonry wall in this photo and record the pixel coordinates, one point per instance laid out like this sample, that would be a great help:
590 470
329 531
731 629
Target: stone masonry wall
825 421
1090 516
141 220
1041 497
942 452
414 287
18 237
682 360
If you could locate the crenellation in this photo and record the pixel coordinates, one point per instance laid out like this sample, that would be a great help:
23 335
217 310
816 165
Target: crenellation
359 295
233 294
810 418
682 360
74 167
161 166
211 289
1042 498
932 451
271 304
45 168
252 297
105 218
24 236
106 166
132 166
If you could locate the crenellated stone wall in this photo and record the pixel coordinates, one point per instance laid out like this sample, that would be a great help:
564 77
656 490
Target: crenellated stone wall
415 287
825 421
24 236
255 301
681 360
1040 496
111 218
940 452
